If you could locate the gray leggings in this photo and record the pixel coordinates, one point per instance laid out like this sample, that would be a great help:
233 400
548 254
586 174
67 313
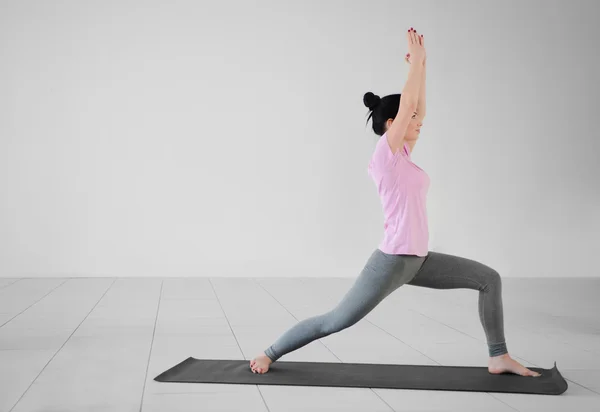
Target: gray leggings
383 274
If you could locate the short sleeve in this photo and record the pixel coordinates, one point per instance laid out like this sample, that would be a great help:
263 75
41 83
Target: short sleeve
383 159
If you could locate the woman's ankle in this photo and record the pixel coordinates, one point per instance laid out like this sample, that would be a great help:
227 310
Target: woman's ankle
497 349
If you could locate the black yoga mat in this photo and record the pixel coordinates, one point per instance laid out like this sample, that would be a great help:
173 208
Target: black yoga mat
365 375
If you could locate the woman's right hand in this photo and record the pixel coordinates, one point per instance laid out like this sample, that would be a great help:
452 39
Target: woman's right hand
415 46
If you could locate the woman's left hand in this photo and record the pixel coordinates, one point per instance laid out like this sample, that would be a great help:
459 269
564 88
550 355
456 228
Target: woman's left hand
407 57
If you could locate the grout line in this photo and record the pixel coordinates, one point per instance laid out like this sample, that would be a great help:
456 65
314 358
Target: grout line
226 318
151 344
276 300
62 346
37 301
236 339
579 384
12 283
397 338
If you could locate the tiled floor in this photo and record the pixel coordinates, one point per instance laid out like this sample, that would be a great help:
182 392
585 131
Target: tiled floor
95 344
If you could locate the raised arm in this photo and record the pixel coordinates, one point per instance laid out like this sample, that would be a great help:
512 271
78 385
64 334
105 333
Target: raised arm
410 94
421 106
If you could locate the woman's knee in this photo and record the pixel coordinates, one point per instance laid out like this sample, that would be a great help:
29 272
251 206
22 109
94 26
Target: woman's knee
493 279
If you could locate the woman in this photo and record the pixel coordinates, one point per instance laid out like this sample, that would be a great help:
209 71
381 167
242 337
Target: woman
403 257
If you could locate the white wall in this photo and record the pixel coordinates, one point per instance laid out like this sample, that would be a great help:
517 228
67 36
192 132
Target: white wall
190 138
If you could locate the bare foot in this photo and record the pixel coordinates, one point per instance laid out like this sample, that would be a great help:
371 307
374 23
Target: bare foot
260 364
504 363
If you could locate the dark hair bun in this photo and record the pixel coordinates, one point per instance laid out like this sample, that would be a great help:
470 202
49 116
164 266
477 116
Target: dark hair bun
371 100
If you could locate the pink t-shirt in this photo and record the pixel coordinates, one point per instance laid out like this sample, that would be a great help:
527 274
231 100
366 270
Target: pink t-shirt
402 187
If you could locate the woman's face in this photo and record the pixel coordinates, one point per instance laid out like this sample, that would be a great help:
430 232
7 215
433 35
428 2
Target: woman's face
413 129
